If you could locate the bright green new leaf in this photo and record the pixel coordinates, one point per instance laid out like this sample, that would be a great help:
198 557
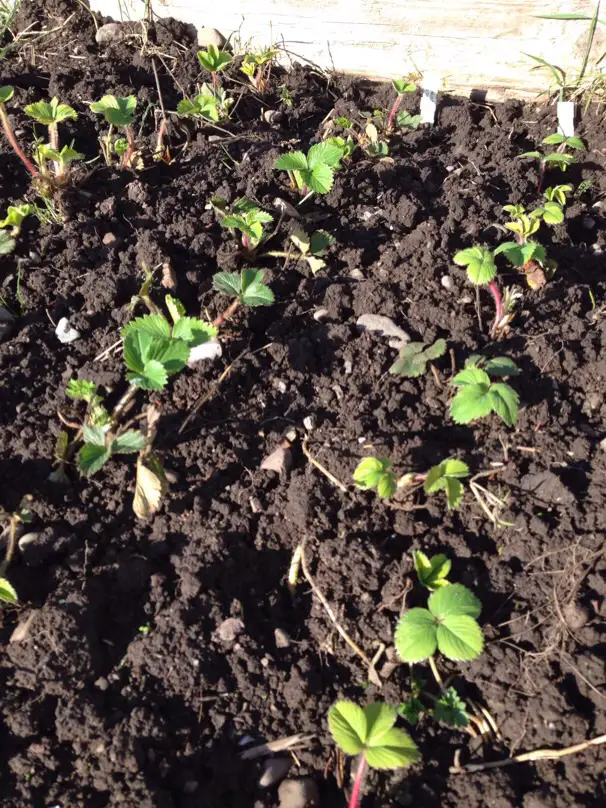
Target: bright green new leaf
320 178
505 402
479 262
327 154
451 709
91 458
7 591
416 635
15 214
470 376
153 325
470 403
50 112
432 572
117 110
291 161
447 476
175 308
479 396
128 442
6 93
193 331
81 389
403 86
554 139
453 601
370 731
375 472
213 59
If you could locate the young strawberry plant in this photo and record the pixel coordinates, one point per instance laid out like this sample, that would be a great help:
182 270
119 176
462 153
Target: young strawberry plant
211 104
314 172
404 119
257 67
310 248
119 112
244 216
478 396
414 357
370 733
213 60
559 158
481 271
245 287
376 473
432 572
51 114
448 708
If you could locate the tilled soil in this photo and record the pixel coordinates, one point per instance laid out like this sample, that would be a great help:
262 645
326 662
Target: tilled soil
129 687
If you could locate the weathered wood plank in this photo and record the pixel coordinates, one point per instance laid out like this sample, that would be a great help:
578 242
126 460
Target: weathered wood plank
471 43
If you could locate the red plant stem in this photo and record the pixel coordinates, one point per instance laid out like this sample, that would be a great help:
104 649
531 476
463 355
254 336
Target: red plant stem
214 80
16 147
357 785
130 136
541 177
245 241
494 290
392 112
227 313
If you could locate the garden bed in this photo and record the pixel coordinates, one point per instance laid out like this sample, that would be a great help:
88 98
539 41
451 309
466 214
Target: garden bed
130 688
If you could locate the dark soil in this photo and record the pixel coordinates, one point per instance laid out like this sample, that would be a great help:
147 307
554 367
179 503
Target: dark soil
123 692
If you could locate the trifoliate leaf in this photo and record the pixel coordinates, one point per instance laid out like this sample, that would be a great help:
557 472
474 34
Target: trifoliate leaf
451 709
92 457
117 110
454 600
320 178
327 154
471 402
416 634
396 748
128 442
375 472
432 571
49 112
292 161
459 637
8 593
501 366
505 402
347 725
94 435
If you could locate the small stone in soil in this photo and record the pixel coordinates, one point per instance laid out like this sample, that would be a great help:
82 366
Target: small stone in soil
321 314
301 793
447 283
379 324
282 638
280 460
229 629
309 422
275 770
110 240
65 333
210 36
357 274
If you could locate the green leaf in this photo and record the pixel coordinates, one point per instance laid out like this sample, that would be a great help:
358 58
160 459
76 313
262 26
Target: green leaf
176 309
15 214
558 158
326 154
319 241
81 389
403 86
153 376
254 291
470 403
375 472
7 590
212 59
445 475
501 366
234 220
411 709
128 442
320 178
395 749
505 402
193 331
436 350
117 110
416 634
459 636
92 457
555 138
535 154
301 240
347 725
227 283
50 112
291 161
451 709
154 325
414 357
453 601
7 243
432 572
553 213
94 435
575 143
471 375
380 718
6 93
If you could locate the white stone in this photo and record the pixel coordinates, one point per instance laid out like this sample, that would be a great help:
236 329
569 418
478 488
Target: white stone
210 36
65 333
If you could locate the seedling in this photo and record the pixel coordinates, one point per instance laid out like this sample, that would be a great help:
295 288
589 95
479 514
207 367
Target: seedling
374 146
257 67
213 60
478 395
51 114
245 287
448 707
285 95
246 217
15 214
414 357
402 86
448 624
560 158
481 271
119 112
432 572
210 104
313 172
6 93
370 733
309 247
376 473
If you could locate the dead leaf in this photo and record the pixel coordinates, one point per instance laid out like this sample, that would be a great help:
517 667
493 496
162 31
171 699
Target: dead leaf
535 276
21 631
315 264
150 486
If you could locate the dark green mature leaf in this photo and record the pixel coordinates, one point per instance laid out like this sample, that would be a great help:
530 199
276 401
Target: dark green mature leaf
153 325
414 358
91 458
319 241
320 178
6 93
193 331
94 435
153 376
253 291
451 709
500 366
228 283
411 709
327 154
128 442
505 402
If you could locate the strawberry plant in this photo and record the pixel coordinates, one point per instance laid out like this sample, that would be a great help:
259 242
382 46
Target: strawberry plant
414 356
314 172
447 476
246 217
448 624
375 472
213 60
370 733
210 104
257 67
478 396
559 158
119 112
51 114
431 572
405 119
310 247
245 287
481 271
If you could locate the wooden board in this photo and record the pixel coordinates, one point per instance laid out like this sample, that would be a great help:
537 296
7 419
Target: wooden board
472 44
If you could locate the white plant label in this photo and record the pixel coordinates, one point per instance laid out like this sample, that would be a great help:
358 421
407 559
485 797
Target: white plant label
429 100
566 111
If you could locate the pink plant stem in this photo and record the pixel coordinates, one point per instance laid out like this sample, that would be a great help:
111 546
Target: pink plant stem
16 147
494 290
227 313
392 112
357 785
130 137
